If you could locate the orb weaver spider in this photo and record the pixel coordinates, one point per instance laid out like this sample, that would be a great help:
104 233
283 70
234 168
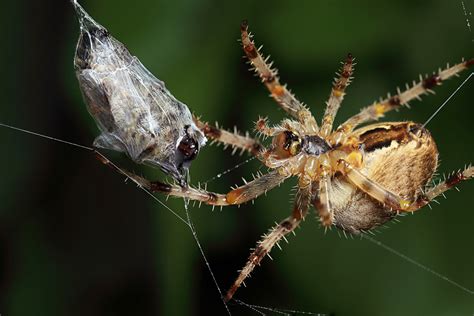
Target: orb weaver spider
356 178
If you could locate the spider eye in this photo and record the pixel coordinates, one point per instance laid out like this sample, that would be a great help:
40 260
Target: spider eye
286 144
295 147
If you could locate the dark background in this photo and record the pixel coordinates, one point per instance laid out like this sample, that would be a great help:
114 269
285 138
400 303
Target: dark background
76 240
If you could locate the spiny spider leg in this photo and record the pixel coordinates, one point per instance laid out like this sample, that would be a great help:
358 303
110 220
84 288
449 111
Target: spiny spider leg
269 240
450 182
373 188
324 207
378 109
242 194
337 95
396 202
237 141
262 127
269 77
256 187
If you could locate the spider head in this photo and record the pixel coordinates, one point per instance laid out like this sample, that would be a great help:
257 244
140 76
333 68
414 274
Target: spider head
286 144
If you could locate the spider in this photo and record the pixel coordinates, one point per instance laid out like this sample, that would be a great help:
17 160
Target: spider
355 177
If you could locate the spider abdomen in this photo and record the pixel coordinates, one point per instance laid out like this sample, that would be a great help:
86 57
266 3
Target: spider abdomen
400 157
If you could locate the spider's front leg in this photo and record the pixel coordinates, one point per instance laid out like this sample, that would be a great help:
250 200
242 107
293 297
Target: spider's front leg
337 95
234 139
271 239
378 109
269 77
242 194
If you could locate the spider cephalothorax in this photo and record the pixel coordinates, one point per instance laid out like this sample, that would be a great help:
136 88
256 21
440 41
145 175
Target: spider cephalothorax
356 178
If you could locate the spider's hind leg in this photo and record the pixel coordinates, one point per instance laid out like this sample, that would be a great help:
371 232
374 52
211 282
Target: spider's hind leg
372 188
439 189
396 202
271 239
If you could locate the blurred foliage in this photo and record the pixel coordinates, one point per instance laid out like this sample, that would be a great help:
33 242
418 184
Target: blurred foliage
75 240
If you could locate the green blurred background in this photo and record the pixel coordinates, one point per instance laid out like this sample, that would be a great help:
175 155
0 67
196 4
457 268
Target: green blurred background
76 240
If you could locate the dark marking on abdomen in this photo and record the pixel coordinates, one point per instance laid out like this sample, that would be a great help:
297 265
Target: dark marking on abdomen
380 137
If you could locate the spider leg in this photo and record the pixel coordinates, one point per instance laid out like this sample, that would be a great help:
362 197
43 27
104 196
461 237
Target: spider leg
236 140
393 200
337 95
323 203
275 234
269 77
262 127
372 188
450 182
242 194
378 109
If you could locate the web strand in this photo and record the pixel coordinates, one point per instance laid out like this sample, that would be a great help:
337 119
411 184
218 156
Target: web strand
468 16
223 173
93 150
288 312
416 263
448 99
196 239
187 222
46 136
